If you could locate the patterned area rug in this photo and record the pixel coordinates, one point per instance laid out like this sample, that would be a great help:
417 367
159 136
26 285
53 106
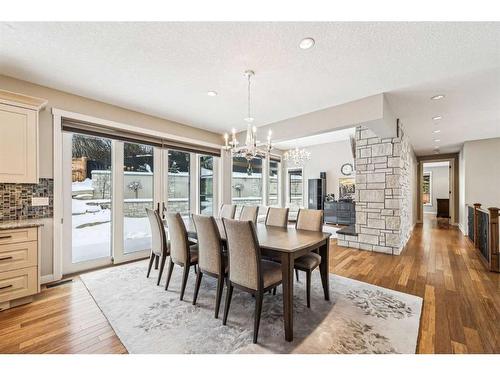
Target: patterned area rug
360 318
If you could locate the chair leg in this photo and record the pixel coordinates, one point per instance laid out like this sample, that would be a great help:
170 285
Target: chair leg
220 287
258 308
297 274
169 274
151 259
199 275
308 288
162 266
274 291
184 279
229 295
157 259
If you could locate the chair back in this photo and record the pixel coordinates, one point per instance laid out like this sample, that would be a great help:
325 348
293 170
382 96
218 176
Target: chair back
209 244
244 253
249 213
179 244
310 220
277 217
227 211
158 236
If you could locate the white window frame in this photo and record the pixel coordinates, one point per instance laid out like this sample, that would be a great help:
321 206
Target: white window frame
59 214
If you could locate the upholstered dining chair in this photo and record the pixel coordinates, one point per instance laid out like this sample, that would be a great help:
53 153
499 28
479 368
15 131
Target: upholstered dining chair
159 243
308 220
249 213
211 261
247 271
182 252
227 211
277 217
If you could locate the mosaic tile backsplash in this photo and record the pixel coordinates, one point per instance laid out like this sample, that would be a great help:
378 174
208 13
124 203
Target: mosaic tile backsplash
15 200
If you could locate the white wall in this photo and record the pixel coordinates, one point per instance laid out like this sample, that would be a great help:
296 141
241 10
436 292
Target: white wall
329 158
440 182
461 191
481 165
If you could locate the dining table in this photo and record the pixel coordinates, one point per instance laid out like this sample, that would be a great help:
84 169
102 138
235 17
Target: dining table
285 244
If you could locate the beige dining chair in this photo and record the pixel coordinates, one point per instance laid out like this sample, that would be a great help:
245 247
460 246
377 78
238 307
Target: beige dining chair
182 252
211 261
247 271
249 213
159 243
308 220
227 211
277 217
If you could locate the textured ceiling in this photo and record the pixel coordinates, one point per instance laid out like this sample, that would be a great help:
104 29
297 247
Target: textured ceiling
165 69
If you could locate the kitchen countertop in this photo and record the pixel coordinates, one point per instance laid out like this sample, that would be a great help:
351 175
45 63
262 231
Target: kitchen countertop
21 223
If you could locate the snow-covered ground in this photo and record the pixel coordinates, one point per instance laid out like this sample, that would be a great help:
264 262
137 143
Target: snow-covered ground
91 228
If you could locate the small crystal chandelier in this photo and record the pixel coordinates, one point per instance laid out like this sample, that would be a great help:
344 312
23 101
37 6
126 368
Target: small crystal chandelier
297 157
251 149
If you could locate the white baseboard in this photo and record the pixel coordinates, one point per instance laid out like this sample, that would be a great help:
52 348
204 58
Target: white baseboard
461 229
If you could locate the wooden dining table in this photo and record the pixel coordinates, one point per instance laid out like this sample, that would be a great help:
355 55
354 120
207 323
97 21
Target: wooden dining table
286 244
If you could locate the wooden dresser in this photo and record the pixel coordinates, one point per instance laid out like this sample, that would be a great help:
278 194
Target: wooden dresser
19 263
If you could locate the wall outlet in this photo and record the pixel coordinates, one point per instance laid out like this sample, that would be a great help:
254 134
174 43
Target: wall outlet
39 201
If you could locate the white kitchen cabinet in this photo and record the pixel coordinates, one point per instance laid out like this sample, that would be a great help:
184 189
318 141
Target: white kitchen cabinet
19 137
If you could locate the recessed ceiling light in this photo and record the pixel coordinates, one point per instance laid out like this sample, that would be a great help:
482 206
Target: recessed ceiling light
436 118
437 140
437 97
437 131
212 93
307 43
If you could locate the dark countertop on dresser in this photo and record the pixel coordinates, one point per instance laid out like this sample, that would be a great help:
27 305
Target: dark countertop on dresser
21 223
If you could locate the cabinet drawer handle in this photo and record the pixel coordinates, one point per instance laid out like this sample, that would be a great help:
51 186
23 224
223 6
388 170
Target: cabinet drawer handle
6 287
6 258
5 237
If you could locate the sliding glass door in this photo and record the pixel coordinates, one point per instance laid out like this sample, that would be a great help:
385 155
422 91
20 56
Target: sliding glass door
87 185
109 184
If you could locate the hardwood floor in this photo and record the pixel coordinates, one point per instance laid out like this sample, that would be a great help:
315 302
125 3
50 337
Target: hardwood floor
461 312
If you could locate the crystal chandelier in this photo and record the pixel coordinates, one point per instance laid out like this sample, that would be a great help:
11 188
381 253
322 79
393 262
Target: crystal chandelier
251 149
297 157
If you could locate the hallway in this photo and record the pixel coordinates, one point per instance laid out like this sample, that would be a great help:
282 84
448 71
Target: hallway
461 312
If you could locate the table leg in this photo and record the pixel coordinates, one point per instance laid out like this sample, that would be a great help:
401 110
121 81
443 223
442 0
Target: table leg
287 274
324 266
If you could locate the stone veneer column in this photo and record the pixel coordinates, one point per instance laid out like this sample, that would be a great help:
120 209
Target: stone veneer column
383 193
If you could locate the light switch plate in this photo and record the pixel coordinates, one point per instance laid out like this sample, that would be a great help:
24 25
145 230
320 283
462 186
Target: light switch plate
40 201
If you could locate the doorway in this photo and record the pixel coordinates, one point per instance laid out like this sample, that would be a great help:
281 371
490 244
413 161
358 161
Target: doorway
438 188
436 191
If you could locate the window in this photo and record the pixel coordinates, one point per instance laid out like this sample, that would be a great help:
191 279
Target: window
274 183
206 185
295 188
178 182
427 188
137 196
246 182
